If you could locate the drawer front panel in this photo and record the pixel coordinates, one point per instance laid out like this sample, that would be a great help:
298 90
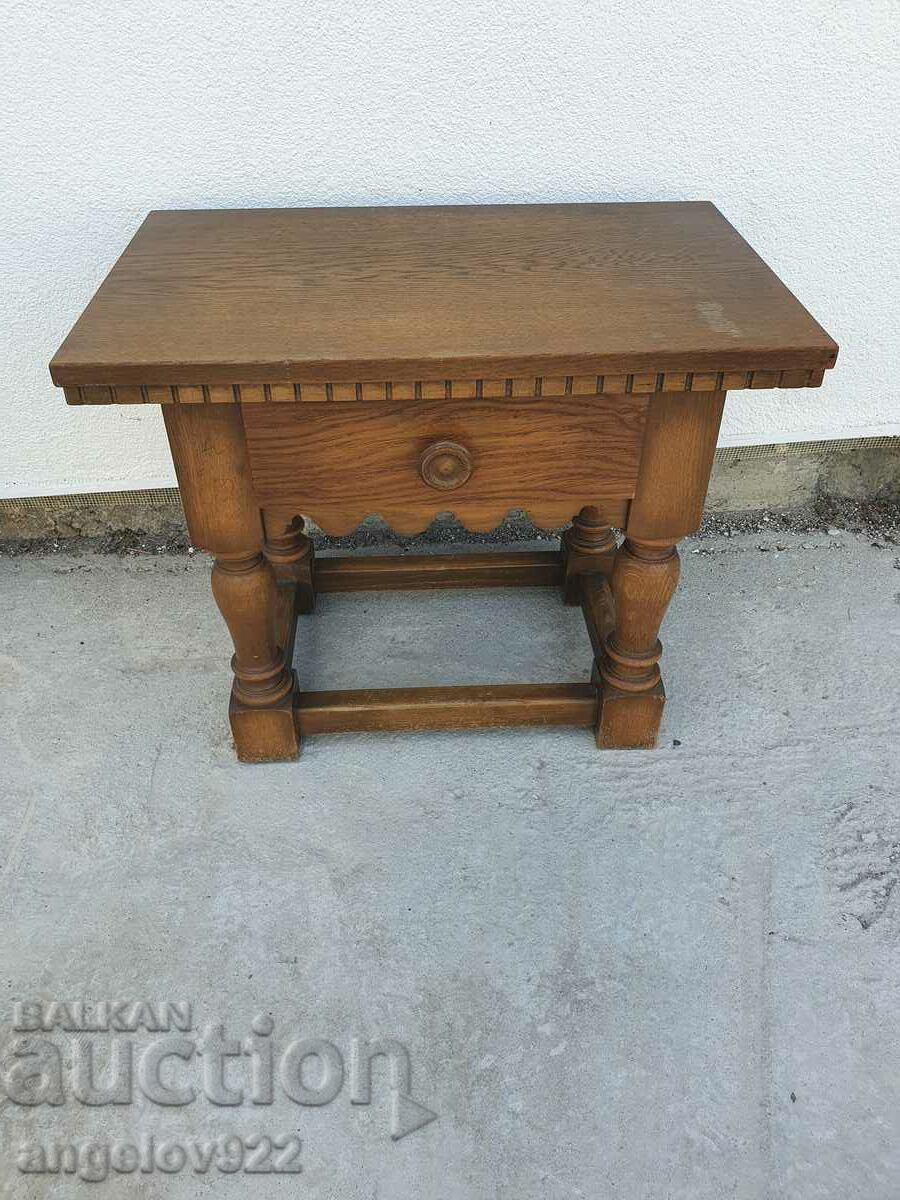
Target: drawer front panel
340 462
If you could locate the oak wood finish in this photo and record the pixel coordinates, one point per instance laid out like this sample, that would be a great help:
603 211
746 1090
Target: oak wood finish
291 554
598 611
417 572
589 547
445 465
676 462
333 363
347 296
287 391
481 706
546 456
209 452
643 582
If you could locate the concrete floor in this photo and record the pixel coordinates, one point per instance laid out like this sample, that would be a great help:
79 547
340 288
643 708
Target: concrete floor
617 975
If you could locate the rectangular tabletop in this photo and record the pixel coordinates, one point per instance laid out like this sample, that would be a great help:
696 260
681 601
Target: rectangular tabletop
433 293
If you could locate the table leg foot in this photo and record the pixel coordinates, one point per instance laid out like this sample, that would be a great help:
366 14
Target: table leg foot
265 734
629 720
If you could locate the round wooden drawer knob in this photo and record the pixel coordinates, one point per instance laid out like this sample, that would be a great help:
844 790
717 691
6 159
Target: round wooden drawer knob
445 465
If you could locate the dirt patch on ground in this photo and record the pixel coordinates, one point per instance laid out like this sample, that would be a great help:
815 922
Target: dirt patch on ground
878 517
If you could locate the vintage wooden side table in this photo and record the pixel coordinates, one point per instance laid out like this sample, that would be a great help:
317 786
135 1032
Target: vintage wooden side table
332 363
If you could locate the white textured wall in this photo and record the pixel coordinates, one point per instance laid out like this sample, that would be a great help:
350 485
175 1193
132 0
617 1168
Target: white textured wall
781 113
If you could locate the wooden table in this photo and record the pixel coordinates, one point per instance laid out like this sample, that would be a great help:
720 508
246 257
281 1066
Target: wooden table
332 363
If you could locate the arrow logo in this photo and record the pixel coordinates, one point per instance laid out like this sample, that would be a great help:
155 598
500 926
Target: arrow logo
408 1115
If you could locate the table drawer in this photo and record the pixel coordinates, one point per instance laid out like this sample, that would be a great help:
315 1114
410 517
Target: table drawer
339 462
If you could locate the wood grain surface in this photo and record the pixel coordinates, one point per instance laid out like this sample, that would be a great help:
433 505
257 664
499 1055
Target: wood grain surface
477 706
208 298
286 392
339 463
417 572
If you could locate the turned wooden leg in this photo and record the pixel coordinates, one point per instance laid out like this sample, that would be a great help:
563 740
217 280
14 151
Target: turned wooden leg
676 460
210 457
644 579
291 554
589 547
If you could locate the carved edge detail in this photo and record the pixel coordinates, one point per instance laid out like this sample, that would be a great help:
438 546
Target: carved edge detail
446 389
410 520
